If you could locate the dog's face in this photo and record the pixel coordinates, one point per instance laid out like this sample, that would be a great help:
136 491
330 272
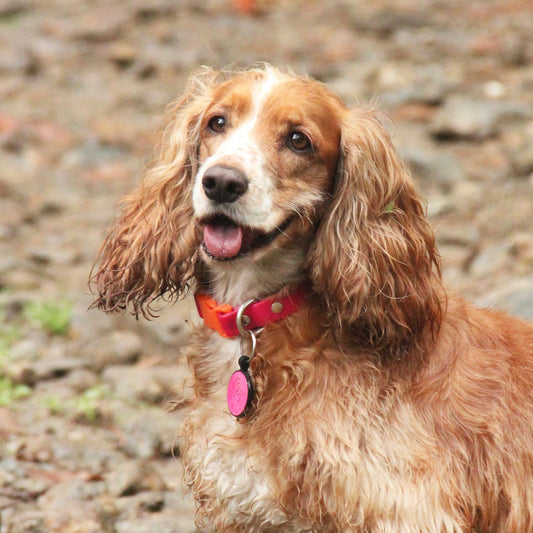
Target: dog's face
268 150
271 180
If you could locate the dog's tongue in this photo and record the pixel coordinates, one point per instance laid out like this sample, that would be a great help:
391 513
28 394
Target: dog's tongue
223 241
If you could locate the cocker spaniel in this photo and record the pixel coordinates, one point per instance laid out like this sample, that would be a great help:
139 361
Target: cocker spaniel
337 387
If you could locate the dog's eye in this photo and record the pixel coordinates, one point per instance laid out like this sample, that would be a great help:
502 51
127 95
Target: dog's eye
217 124
299 142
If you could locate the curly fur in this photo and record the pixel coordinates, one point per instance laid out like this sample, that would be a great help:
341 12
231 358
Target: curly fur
384 404
376 244
150 251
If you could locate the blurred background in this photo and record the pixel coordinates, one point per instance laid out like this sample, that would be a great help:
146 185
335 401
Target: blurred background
86 444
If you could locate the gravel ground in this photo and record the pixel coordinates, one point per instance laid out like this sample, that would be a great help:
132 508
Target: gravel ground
86 441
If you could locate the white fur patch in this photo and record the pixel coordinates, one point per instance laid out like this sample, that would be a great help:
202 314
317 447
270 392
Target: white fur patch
255 208
239 280
237 481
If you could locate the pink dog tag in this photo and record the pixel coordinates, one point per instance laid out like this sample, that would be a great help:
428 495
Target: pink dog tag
240 391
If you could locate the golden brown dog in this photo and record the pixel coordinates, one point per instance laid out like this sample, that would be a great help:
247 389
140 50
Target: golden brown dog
379 404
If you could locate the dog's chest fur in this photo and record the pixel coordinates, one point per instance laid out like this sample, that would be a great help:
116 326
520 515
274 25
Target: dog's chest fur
336 485
233 485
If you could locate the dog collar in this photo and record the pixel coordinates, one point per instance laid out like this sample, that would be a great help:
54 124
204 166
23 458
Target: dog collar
222 318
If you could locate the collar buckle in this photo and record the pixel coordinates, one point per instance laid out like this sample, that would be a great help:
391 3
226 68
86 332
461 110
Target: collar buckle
210 311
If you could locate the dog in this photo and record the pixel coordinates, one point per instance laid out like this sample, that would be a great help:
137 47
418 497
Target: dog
338 387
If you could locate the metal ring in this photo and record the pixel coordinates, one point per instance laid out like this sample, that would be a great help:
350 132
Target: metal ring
254 344
240 314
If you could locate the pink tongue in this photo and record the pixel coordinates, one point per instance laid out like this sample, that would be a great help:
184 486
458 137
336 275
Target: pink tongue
223 241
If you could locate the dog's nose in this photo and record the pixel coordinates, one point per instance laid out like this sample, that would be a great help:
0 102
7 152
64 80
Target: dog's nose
224 184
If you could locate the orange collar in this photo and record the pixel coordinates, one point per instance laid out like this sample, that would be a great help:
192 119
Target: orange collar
223 317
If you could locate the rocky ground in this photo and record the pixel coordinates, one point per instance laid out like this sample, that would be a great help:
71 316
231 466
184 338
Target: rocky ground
86 444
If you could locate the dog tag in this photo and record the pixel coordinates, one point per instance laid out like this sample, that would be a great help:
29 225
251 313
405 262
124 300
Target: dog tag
240 389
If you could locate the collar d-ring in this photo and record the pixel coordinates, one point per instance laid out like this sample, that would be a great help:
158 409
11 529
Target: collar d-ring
242 320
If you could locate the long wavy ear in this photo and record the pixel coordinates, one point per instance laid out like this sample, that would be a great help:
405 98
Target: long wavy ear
150 249
374 259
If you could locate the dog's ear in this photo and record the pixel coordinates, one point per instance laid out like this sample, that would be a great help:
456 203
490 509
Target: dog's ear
150 249
374 259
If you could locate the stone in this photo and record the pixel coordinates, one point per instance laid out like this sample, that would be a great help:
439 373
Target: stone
130 507
35 449
100 25
457 235
92 154
65 493
516 297
522 159
11 8
141 383
31 487
466 117
439 168
521 244
151 432
54 367
123 54
161 524
428 85
490 260
21 279
78 517
85 449
119 347
8 426
384 21
90 325
173 327
24 521
155 9
80 379
126 479
495 89
21 372
7 262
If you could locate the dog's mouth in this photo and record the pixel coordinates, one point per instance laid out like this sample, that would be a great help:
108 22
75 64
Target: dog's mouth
224 239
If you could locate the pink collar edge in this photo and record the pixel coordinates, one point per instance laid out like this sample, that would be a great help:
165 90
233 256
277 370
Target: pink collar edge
223 317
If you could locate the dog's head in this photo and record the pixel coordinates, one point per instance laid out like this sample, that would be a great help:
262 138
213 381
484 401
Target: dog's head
253 165
268 150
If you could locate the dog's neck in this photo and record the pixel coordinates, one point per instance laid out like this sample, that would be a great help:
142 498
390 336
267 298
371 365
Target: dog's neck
234 282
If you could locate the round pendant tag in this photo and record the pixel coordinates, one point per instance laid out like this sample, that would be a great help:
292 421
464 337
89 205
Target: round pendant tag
240 392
